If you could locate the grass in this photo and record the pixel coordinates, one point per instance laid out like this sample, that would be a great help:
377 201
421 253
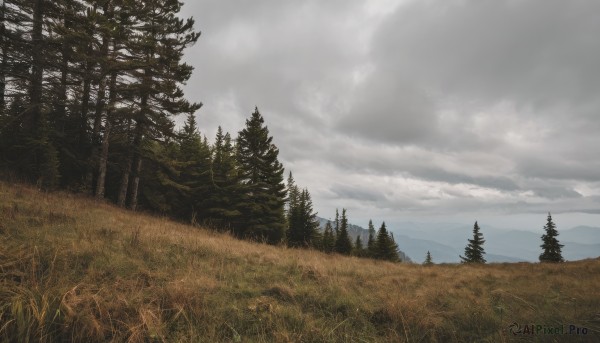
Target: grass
72 269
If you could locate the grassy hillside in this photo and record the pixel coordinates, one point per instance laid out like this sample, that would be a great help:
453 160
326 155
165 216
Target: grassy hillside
72 269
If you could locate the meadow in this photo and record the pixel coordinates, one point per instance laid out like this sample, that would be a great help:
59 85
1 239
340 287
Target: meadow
74 269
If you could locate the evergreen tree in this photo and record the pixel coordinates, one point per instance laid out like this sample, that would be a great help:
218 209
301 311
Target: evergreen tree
261 173
371 242
550 245
328 238
385 247
195 179
293 201
474 250
336 227
293 193
358 247
31 152
115 134
303 223
428 260
161 191
223 213
343 245
294 235
157 46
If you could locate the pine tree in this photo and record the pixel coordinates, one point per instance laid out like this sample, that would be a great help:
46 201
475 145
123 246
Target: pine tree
293 193
474 250
428 260
336 226
24 41
116 113
550 245
158 47
310 221
223 213
303 223
358 247
343 245
263 190
371 242
195 173
328 238
292 209
385 247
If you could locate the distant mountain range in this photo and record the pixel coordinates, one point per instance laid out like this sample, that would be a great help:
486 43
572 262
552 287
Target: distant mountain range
446 241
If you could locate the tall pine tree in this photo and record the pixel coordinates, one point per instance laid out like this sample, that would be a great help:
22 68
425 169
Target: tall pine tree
223 213
263 190
195 173
385 247
328 244
371 241
474 250
303 223
159 41
428 260
551 248
343 245
358 247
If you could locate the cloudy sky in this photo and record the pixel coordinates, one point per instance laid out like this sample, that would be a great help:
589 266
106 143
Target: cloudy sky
422 110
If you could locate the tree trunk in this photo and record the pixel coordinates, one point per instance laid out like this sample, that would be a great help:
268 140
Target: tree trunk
4 60
100 184
124 183
112 99
126 170
32 120
44 161
93 154
136 182
137 141
100 106
85 105
60 103
136 162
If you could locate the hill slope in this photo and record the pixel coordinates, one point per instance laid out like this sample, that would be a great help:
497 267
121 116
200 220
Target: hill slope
72 269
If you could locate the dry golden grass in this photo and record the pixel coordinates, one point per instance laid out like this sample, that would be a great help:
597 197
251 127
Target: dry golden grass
72 269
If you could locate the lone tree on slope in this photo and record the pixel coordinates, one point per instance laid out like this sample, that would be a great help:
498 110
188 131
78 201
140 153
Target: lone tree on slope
428 260
474 250
550 245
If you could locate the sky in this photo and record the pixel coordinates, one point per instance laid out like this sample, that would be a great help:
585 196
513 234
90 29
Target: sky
415 110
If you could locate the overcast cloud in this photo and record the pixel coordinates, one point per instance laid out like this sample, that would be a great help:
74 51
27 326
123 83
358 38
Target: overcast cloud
415 110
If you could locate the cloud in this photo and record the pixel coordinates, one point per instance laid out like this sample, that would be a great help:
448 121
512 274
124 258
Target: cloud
539 52
413 108
386 108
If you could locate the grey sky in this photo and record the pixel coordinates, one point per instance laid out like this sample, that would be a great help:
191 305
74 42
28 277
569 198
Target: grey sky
415 110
